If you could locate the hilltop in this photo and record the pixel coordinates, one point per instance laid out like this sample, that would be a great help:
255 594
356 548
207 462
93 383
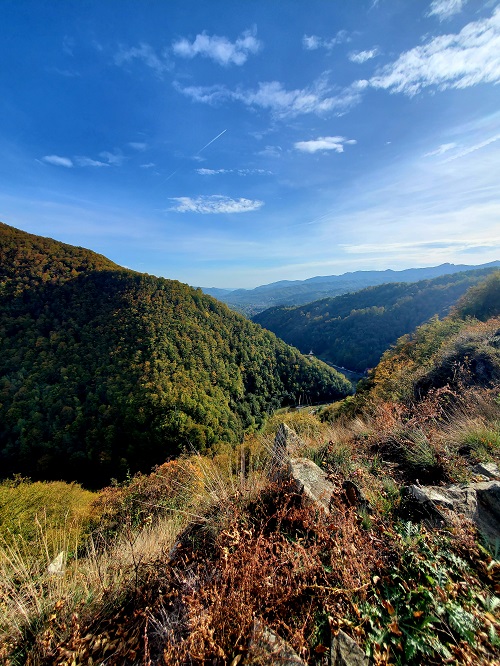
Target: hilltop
298 292
105 371
354 330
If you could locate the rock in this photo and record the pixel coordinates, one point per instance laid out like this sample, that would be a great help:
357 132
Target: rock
286 443
489 470
355 497
267 648
480 502
488 494
418 503
311 482
57 565
346 652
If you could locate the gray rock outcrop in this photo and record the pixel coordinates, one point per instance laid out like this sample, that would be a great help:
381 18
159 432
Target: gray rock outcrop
480 502
268 648
488 470
311 482
346 652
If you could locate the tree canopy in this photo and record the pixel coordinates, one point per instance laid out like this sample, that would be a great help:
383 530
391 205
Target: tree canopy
104 370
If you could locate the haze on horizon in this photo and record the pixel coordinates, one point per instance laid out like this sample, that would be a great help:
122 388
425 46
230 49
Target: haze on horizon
232 145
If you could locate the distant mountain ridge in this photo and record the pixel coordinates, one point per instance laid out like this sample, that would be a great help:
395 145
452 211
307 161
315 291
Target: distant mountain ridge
299 292
354 330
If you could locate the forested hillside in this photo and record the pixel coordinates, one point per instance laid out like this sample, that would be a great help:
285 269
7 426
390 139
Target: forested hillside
104 371
385 551
354 330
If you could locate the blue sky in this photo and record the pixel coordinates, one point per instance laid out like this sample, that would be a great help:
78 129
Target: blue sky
233 144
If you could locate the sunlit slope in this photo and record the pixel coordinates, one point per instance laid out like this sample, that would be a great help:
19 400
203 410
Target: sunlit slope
104 371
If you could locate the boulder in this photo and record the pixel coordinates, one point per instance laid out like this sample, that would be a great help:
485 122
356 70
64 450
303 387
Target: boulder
58 564
480 502
489 470
286 443
268 648
346 652
311 482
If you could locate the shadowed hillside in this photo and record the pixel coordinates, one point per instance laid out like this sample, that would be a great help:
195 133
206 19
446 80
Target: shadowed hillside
354 330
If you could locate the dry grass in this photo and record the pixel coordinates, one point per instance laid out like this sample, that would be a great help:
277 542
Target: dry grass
245 549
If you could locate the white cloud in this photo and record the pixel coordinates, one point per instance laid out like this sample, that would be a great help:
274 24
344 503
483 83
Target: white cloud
146 54
239 172
138 145
116 159
149 165
271 151
462 245
313 42
214 204
458 60
218 49
88 162
360 57
210 172
56 160
443 148
317 98
444 9
323 143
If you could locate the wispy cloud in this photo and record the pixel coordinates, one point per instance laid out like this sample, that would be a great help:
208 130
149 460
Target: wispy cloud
320 97
462 245
472 149
138 145
313 42
271 151
445 9
458 60
145 54
443 148
360 57
57 160
149 165
111 159
68 45
89 162
213 204
67 73
239 172
219 49
115 159
324 143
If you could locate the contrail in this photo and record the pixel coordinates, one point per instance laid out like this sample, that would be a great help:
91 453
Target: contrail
215 139
201 149
172 174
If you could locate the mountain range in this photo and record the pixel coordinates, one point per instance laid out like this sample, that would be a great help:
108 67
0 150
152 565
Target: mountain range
299 292
354 330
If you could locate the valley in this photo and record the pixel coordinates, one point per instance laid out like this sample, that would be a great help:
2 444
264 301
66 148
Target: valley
192 408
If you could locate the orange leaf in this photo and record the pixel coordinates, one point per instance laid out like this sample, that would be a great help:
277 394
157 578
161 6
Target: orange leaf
394 628
388 607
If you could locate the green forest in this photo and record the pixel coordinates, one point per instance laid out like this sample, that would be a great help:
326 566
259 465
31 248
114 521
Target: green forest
104 371
354 330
